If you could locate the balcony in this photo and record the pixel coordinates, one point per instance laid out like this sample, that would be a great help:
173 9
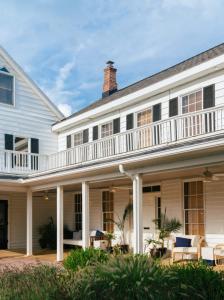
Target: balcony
167 132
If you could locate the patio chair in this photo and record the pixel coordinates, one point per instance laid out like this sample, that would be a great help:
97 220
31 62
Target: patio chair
187 245
219 254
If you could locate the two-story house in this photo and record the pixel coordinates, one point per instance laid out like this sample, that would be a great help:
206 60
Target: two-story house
157 143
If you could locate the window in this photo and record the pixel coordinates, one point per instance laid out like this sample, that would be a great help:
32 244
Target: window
6 88
158 210
106 129
144 117
78 138
78 211
21 144
108 210
194 207
192 102
151 189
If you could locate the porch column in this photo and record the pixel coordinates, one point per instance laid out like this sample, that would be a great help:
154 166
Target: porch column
60 223
85 215
29 223
137 214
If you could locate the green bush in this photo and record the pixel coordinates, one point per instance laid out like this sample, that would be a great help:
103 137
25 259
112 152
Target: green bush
121 277
137 277
80 258
32 283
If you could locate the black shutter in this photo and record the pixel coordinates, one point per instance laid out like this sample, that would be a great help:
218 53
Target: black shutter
116 125
156 112
209 96
85 136
8 142
34 145
95 133
69 141
173 107
129 121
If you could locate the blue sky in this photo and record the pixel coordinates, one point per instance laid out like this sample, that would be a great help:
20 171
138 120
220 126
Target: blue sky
64 44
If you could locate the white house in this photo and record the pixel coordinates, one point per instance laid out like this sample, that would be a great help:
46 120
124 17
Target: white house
157 143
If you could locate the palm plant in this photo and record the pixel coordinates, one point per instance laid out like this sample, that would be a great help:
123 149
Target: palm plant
120 222
165 227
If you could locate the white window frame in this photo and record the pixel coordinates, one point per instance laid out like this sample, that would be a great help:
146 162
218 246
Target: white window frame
104 124
22 137
73 138
102 191
204 203
180 106
74 195
13 92
140 111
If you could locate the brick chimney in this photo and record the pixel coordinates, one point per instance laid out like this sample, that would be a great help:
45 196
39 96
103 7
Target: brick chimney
110 83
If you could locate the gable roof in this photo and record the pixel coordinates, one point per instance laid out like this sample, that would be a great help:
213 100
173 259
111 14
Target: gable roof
32 84
164 74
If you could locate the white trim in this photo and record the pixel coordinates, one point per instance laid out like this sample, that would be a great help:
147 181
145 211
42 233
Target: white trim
32 84
154 89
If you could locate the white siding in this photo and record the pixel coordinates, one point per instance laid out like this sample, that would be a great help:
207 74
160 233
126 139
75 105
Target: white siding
216 78
29 118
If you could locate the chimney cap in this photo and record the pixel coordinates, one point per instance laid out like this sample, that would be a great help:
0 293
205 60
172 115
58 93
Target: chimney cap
110 63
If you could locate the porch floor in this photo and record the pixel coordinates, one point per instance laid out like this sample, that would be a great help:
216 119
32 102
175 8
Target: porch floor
18 258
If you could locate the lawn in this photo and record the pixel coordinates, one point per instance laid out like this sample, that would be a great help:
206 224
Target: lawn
93 274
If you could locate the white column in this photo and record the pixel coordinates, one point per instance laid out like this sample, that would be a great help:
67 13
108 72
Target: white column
29 223
60 223
85 215
137 214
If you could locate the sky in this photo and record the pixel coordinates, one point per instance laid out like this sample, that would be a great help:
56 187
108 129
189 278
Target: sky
63 45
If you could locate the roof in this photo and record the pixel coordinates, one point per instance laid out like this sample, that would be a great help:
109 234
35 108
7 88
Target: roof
164 74
32 84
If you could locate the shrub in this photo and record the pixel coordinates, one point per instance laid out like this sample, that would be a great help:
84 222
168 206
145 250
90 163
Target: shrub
137 277
32 283
80 258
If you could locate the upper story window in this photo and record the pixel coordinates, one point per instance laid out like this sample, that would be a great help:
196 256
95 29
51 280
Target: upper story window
78 138
6 88
144 117
106 129
192 102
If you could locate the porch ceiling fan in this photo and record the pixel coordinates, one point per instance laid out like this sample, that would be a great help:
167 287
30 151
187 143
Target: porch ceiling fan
208 176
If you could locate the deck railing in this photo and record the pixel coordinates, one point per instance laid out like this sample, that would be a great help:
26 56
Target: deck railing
166 132
17 162
172 130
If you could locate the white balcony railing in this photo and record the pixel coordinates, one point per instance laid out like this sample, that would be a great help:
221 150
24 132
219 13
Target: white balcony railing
166 132
22 162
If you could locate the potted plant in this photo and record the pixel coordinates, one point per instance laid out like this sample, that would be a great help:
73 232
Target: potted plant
120 223
165 227
109 237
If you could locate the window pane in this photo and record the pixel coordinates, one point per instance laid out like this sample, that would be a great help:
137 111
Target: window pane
6 96
106 129
192 102
6 81
194 207
144 117
21 144
6 89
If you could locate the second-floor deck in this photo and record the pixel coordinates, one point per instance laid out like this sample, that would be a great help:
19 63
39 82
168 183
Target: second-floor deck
166 132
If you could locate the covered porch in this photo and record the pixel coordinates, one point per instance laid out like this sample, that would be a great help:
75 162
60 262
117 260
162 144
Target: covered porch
86 205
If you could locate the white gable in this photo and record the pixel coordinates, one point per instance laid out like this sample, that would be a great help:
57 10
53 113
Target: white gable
32 115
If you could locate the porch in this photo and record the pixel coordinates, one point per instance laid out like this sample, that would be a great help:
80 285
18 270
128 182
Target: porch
87 206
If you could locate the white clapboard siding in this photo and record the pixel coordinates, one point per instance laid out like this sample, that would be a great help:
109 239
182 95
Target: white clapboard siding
214 202
216 78
172 199
30 117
